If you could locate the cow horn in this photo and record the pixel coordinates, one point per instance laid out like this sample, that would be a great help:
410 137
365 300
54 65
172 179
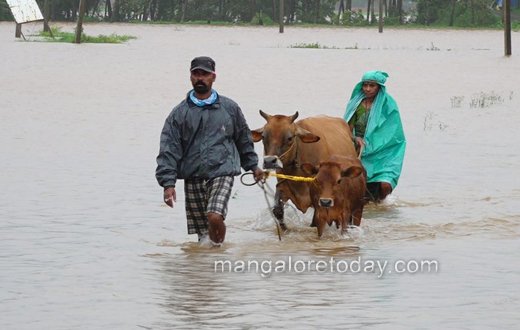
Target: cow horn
293 118
266 116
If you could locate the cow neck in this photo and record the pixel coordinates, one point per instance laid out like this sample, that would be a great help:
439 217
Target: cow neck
294 162
290 169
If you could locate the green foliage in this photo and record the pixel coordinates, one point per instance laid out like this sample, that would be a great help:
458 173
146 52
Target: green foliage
318 46
102 39
305 45
350 18
90 19
485 100
56 31
468 13
262 19
428 10
473 13
429 122
208 22
5 12
456 101
131 9
392 21
68 37
206 10
306 11
433 48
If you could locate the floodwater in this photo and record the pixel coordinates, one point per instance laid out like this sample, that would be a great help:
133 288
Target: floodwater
87 243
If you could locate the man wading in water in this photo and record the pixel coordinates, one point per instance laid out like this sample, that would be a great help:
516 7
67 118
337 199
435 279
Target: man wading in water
205 141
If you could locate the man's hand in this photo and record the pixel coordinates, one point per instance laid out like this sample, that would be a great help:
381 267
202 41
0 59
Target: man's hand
359 141
170 196
258 174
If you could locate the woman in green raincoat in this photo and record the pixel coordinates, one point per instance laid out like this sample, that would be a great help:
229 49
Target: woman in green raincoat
374 120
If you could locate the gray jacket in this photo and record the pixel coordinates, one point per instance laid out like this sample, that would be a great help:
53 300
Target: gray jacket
204 142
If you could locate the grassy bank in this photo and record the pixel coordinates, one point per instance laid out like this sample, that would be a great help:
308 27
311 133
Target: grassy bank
70 37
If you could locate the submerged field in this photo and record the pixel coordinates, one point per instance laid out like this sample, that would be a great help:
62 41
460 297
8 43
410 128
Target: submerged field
87 242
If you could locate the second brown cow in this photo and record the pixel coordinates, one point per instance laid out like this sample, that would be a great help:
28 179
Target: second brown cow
337 192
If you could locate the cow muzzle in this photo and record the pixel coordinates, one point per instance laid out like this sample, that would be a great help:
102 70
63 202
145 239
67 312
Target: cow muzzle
326 202
272 162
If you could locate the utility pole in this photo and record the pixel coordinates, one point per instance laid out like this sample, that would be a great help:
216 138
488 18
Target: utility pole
79 26
380 16
18 31
46 15
507 27
281 16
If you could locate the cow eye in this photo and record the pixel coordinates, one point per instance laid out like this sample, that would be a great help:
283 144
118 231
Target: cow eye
289 139
339 181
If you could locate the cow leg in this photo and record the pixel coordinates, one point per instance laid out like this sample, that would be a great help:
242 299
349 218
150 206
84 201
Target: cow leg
344 224
278 209
321 227
314 218
356 215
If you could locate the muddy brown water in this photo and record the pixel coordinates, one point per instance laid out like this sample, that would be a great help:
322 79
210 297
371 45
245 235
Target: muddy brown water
86 242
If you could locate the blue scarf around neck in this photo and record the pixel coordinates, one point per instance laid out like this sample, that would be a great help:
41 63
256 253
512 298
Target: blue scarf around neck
210 100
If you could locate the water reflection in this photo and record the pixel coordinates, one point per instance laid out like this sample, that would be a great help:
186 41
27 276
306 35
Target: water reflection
199 296
195 293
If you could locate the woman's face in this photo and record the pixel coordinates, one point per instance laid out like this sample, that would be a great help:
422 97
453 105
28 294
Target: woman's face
370 88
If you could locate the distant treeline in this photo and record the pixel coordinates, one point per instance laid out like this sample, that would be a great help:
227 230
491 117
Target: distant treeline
179 11
464 13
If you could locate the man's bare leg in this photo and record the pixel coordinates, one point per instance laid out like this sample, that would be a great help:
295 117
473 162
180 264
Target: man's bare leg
386 189
217 228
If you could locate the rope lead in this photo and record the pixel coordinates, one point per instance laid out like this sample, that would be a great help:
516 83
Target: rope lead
289 177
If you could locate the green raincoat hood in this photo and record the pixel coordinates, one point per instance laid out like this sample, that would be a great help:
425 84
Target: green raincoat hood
384 136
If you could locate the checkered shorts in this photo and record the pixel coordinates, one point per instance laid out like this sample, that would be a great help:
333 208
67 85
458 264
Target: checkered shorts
205 196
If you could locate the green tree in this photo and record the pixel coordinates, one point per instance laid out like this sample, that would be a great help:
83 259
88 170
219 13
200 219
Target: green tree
315 11
461 13
5 12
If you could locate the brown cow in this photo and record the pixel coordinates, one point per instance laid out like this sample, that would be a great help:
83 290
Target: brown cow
337 192
288 144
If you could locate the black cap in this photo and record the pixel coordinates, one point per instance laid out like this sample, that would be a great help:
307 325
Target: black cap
204 63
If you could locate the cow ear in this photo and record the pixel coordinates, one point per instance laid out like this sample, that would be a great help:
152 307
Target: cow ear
305 136
266 116
352 172
309 169
257 134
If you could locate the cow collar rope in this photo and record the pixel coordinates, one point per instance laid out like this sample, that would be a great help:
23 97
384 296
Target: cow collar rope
295 161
